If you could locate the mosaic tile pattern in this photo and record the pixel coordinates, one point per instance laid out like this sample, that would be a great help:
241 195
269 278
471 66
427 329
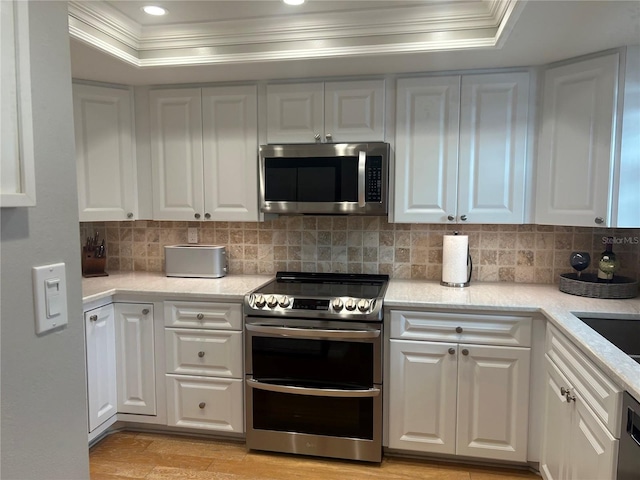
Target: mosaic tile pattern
504 253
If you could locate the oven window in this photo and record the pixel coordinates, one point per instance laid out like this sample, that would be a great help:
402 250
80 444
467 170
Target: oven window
313 363
311 179
330 416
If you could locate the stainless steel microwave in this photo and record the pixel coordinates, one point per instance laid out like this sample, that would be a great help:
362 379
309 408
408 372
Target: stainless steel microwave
325 178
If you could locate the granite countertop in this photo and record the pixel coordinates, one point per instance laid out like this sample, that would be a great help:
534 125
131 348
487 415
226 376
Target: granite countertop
556 306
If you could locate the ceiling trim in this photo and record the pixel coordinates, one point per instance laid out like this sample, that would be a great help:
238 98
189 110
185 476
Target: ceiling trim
407 29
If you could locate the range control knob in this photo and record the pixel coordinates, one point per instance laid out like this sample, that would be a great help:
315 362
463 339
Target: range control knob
284 301
260 301
337 304
272 301
363 305
350 304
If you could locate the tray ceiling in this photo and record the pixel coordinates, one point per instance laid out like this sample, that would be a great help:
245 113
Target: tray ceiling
226 32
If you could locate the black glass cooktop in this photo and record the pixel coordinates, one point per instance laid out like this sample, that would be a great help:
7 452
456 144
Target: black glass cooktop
298 284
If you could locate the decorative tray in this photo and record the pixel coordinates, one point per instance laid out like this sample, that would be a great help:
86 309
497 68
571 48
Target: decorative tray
589 286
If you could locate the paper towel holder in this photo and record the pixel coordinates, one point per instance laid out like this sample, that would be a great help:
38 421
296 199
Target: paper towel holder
469 271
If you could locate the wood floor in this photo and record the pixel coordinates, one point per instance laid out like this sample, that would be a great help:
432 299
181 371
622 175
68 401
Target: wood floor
151 456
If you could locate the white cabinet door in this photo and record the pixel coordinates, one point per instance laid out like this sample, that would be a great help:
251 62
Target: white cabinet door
354 111
176 154
135 358
575 154
101 365
493 402
493 148
427 149
422 396
105 156
295 112
205 403
230 137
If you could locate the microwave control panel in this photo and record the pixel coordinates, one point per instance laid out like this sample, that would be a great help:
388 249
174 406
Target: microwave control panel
373 181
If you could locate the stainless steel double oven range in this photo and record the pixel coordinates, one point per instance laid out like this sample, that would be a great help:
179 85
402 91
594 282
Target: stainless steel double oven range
313 362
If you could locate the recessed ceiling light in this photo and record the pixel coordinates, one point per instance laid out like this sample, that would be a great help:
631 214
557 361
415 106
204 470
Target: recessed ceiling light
293 2
154 10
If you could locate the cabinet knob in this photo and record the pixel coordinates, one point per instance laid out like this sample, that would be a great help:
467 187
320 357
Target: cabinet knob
316 137
197 215
329 137
93 318
451 218
566 393
463 218
130 215
458 329
465 351
201 354
599 220
202 404
207 215
452 351
200 316
145 311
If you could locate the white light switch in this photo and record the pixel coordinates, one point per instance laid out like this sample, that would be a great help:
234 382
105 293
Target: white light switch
50 296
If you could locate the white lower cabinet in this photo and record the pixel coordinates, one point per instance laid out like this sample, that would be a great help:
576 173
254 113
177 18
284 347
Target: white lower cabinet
455 397
135 358
204 376
101 365
577 444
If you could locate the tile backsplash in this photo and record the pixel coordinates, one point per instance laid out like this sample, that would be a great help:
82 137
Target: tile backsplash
505 253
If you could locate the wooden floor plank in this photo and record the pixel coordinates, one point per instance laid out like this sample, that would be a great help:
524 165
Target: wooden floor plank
155 456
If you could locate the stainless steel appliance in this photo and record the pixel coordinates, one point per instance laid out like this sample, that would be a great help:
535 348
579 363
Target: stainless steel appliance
325 178
629 449
195 260
313 347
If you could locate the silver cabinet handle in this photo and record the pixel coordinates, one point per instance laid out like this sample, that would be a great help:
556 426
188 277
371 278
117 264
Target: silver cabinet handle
201 354
465 351
316 137
599 220
207 215
566 393
463 218
145 311
130 215
93 318
451 218
313 392
458 329
197 216
200 316
202 404
329 137
312 333
362 162
452 351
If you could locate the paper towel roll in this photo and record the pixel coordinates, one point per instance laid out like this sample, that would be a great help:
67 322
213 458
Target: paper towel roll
455 252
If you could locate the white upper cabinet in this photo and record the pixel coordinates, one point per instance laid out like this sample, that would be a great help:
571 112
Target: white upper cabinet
176 153
230 136
587 156
461 148
350 111
105 154
17 181
204 153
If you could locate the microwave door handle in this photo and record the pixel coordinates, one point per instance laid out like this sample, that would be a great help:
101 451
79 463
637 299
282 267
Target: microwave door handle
362 161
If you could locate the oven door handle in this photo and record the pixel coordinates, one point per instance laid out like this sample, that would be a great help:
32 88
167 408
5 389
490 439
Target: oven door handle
362 162
312 333
314 392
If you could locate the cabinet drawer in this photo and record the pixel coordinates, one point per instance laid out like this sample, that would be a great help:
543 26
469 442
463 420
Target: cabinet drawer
598 391
218 316
205 403
487 329
204 352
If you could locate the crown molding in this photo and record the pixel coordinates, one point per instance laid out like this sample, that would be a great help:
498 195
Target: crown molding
450 25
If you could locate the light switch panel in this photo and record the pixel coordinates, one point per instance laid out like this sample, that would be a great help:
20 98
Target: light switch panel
50 297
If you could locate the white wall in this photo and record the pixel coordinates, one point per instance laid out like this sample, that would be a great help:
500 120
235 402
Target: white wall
43 396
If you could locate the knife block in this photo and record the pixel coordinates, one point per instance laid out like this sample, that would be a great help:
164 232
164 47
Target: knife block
93 266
